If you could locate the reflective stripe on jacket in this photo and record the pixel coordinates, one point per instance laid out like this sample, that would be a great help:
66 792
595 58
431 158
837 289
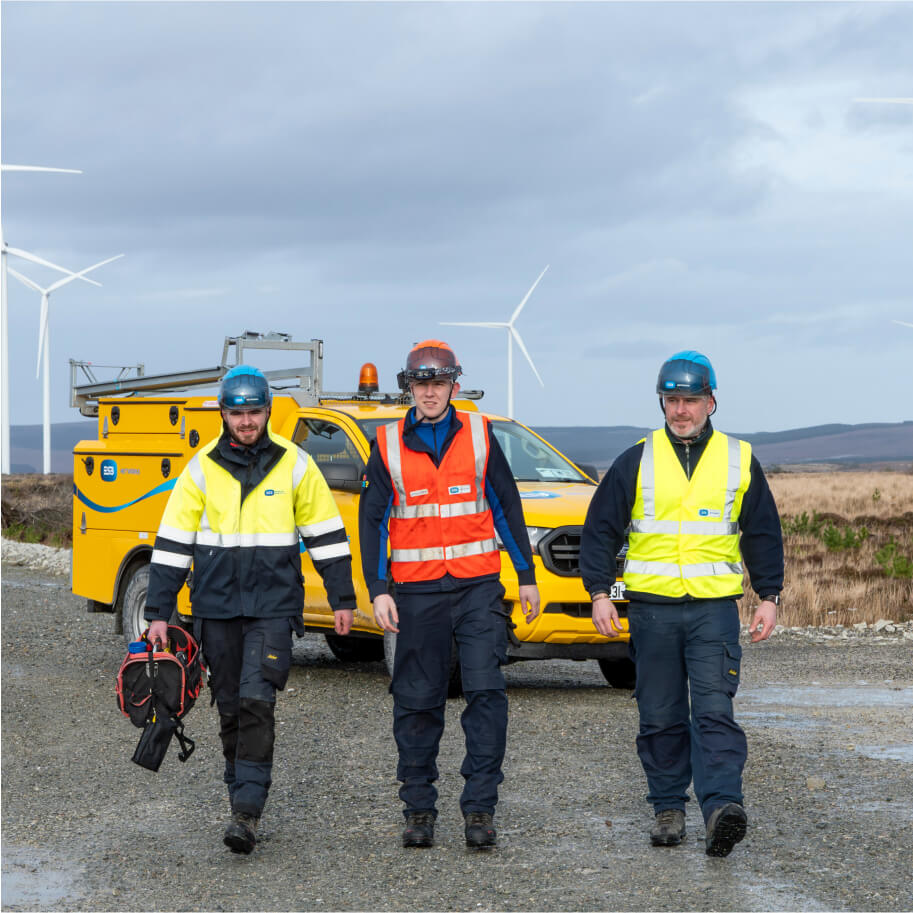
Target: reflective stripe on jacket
243 542
440 521
684 535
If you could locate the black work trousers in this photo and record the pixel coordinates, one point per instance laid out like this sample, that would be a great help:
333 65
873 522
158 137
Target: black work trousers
248 660
474 616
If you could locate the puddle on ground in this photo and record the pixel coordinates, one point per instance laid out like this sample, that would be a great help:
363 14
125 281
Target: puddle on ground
778 720
31 584
29 880
861 694
887 752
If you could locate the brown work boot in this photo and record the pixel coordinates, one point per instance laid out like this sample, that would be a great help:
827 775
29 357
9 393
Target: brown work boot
668 828
726 826
480 830
419 829
241 833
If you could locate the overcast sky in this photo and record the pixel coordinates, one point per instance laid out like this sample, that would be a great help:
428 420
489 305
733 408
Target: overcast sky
695 175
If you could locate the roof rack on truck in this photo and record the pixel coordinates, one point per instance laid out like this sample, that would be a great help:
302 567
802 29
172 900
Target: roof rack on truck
306 391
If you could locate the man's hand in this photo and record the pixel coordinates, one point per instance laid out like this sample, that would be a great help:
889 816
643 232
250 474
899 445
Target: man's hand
342 621
529 601
158 631
385 612
764 621
605 617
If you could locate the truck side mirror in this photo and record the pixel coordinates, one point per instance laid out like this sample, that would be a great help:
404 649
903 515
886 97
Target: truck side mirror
342 475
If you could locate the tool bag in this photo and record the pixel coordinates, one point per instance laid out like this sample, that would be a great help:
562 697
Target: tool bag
156 687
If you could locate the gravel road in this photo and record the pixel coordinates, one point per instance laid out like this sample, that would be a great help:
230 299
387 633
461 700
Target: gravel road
828 788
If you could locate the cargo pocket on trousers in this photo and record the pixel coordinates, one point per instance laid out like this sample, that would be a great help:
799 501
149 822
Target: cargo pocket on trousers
275 663
732 665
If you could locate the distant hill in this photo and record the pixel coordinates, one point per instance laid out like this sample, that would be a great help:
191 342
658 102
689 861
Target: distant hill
840 445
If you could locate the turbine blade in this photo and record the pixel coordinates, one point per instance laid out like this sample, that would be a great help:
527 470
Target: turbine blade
42 331
887 101
24 279
519 342
82 273
903 323
496 325
526 298
25 255
38 168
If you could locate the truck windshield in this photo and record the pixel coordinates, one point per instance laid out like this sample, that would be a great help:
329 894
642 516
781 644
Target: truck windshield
530 459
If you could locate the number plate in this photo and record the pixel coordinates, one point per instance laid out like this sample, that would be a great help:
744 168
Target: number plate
618 591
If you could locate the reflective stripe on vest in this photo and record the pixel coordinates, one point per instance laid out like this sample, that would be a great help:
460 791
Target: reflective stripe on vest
440 521
674 550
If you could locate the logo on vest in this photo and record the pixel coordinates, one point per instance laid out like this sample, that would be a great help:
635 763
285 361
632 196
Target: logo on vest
418 492
709 512
459 489
273 491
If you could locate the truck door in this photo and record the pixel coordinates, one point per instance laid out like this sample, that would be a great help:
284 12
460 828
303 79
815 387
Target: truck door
333 443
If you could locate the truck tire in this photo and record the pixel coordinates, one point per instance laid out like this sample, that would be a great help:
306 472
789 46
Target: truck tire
619 673
454 683
134 604
351 649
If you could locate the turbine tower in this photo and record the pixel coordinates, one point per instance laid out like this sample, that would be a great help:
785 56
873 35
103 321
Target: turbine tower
512 335
4 326
44 348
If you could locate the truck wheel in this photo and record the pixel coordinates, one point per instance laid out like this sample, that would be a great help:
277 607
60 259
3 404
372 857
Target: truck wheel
135 604
619 673
454 683
351 649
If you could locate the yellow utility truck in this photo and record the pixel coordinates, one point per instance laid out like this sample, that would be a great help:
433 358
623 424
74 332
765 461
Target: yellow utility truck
149 427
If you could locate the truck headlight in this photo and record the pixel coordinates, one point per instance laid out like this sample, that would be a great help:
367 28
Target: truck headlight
535 534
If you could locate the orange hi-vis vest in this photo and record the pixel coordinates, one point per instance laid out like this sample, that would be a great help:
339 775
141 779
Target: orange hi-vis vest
440 522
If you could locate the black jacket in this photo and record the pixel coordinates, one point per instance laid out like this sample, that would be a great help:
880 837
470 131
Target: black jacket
377 500
609 514
260 580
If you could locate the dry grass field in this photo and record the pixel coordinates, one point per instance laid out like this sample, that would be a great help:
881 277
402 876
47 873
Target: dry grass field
848 536
849 547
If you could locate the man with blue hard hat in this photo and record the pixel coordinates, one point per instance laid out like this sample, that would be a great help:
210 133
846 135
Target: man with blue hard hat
237 513
695 505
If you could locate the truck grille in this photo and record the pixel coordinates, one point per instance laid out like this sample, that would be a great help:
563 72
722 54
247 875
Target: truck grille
560 551
581 609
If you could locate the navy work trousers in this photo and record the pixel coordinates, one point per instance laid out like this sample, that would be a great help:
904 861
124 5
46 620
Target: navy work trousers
475 617
676 646
248 660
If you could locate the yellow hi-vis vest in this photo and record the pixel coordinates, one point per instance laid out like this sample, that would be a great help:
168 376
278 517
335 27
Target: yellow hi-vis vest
684 535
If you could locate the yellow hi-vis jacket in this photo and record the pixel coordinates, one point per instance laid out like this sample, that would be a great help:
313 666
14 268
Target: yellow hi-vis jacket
684 535
240 526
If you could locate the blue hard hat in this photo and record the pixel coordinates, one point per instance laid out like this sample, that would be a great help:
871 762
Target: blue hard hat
687 373
243 389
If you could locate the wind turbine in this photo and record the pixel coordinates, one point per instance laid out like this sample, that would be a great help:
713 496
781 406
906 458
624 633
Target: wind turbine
512 335
4 324
903 323
44 347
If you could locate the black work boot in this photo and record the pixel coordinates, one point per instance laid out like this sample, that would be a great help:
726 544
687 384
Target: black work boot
726 826
668 828
480 830
241 833
419 829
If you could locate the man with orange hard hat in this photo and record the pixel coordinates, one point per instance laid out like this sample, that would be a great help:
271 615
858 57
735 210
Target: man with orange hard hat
438 485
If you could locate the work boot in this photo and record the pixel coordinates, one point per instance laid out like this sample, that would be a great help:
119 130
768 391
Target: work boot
668 828
241 833
726 826
480 830
419 829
